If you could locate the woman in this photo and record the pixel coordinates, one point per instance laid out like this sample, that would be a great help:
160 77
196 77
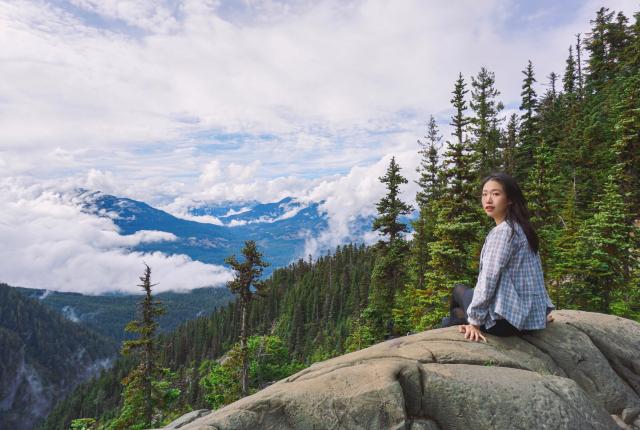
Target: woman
509 297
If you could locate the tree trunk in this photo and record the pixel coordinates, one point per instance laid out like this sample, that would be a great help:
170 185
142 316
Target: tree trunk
244 350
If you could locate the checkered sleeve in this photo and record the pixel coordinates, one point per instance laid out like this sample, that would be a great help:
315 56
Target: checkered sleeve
499 249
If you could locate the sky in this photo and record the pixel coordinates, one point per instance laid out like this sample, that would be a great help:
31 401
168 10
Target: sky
180 101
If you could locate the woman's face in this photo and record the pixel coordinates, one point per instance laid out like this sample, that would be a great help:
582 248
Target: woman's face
494 200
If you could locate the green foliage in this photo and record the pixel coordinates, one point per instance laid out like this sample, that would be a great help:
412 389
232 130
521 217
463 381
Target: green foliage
83 424
528 121
144 396
390 207
430 189
485 124
268 359
389 272
244 283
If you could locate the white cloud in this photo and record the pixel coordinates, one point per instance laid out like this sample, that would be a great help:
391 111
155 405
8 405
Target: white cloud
354 196
325 78
150 15
48 242
185 101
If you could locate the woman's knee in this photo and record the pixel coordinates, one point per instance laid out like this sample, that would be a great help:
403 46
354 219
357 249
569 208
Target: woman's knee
458 292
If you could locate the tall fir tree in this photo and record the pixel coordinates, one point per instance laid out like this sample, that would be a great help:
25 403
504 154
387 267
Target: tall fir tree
605 246
485 124
247 285
388 276
528 124
579 76
457 219
137 411
569 79
429 189
509 145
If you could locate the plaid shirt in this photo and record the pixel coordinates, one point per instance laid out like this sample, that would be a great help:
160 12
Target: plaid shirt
510 284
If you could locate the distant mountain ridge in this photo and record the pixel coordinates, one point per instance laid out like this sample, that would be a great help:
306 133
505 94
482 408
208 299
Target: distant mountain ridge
281 229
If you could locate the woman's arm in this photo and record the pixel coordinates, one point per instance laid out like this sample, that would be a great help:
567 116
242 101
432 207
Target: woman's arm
500 247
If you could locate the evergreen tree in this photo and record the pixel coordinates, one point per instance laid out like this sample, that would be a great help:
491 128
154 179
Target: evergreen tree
485 130
391 207
138 400
388 275
429 183
428 178
579 76
528 126
562 272
569 79
509 145
627 131
600 65
457 220
605 245
247 275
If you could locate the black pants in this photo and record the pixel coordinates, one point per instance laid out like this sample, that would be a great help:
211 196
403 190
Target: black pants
461 298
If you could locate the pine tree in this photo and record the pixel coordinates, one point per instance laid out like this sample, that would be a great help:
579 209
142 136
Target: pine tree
605 245
247 275
569 79
627 127
391 207
138 402
457 221
485 130
599 63
509 145
579 76
428 179
388 275
429 183
563 272
528 125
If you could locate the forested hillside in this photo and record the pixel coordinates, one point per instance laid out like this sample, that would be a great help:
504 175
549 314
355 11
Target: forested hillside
108 314
575 150
42 357
309 307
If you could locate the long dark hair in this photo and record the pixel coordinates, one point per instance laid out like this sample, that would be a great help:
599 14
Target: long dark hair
517 211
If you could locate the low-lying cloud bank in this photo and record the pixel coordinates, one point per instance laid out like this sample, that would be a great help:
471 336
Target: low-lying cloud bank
48 242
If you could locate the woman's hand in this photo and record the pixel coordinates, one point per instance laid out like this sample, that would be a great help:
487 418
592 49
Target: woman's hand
471 332
549 318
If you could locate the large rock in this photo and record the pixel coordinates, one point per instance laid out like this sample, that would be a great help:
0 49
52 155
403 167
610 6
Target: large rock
581 372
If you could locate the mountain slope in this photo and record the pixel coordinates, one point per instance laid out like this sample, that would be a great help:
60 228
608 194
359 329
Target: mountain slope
42 358
109 314
310 306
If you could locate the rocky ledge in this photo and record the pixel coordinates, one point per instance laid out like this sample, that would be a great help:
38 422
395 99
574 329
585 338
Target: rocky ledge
581 372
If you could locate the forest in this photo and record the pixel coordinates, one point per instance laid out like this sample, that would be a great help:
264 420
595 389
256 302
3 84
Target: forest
574 148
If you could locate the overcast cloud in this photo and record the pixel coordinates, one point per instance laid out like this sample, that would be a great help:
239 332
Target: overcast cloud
172 102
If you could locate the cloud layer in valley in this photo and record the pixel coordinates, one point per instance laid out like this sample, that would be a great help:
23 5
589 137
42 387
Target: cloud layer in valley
48 242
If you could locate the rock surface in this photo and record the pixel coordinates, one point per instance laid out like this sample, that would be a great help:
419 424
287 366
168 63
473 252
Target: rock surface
581 372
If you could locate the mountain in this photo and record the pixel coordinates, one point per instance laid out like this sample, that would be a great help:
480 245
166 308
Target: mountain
280 229
43 357
108 314
222 209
